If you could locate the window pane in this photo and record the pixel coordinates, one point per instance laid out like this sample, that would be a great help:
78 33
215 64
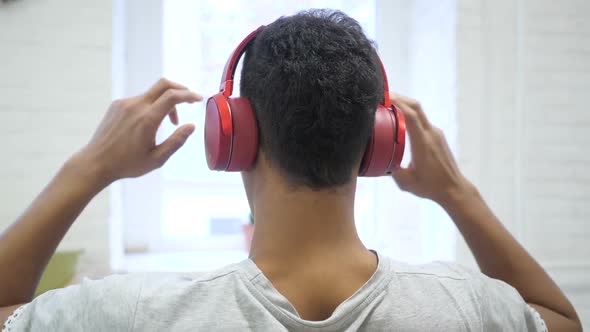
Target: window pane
200 205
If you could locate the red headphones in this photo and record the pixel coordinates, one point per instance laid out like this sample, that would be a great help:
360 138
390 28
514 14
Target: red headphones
231 132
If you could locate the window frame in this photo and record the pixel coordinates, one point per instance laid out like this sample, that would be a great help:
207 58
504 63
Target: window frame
133 37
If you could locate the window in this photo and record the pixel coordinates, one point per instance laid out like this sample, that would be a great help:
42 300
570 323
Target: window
184 216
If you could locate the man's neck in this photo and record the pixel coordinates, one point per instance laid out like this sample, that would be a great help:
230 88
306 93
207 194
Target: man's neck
304 225
305 242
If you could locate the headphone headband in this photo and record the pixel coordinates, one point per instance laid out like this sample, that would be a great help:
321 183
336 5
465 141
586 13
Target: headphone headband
386 100
227 79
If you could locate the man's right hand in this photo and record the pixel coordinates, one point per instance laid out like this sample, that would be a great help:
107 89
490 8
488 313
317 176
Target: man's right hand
433 172
124 145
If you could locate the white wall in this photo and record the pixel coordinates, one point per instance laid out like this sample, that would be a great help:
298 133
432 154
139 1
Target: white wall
55 84
524 126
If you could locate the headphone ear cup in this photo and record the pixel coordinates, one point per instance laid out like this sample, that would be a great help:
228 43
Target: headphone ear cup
245 135
231 133
218 132
378 157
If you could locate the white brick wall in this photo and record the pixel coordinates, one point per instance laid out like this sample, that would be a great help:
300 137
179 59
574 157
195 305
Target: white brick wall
54 87
523 76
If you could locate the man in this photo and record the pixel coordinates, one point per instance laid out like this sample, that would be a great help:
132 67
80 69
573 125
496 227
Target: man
314 85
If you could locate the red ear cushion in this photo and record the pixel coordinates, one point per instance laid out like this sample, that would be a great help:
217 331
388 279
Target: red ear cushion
217 140
245 140
400 145
378 157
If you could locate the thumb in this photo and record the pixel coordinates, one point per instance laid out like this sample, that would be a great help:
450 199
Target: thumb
167 148
403 177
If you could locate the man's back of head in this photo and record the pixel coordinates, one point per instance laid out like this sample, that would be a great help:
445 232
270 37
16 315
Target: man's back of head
314 82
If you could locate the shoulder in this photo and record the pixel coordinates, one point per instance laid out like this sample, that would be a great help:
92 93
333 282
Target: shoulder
103 304
492 302
436 270
179 301
192 279
161 289
112 303
454 280
438 284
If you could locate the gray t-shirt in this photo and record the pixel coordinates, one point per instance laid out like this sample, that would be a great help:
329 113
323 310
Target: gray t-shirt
398 297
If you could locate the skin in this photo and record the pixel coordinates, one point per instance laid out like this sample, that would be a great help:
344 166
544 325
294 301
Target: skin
127 134
433 174
305 241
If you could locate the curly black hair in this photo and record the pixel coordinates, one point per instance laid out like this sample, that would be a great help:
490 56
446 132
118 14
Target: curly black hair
314 82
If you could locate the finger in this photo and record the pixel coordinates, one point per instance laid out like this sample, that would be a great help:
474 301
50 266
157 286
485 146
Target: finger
416 131
403 178
445 145
160 87
167 101
399 100
166 149
174 116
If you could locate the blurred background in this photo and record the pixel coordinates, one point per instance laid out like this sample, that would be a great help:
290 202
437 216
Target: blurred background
505 79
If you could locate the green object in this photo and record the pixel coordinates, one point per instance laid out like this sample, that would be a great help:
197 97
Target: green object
59 271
